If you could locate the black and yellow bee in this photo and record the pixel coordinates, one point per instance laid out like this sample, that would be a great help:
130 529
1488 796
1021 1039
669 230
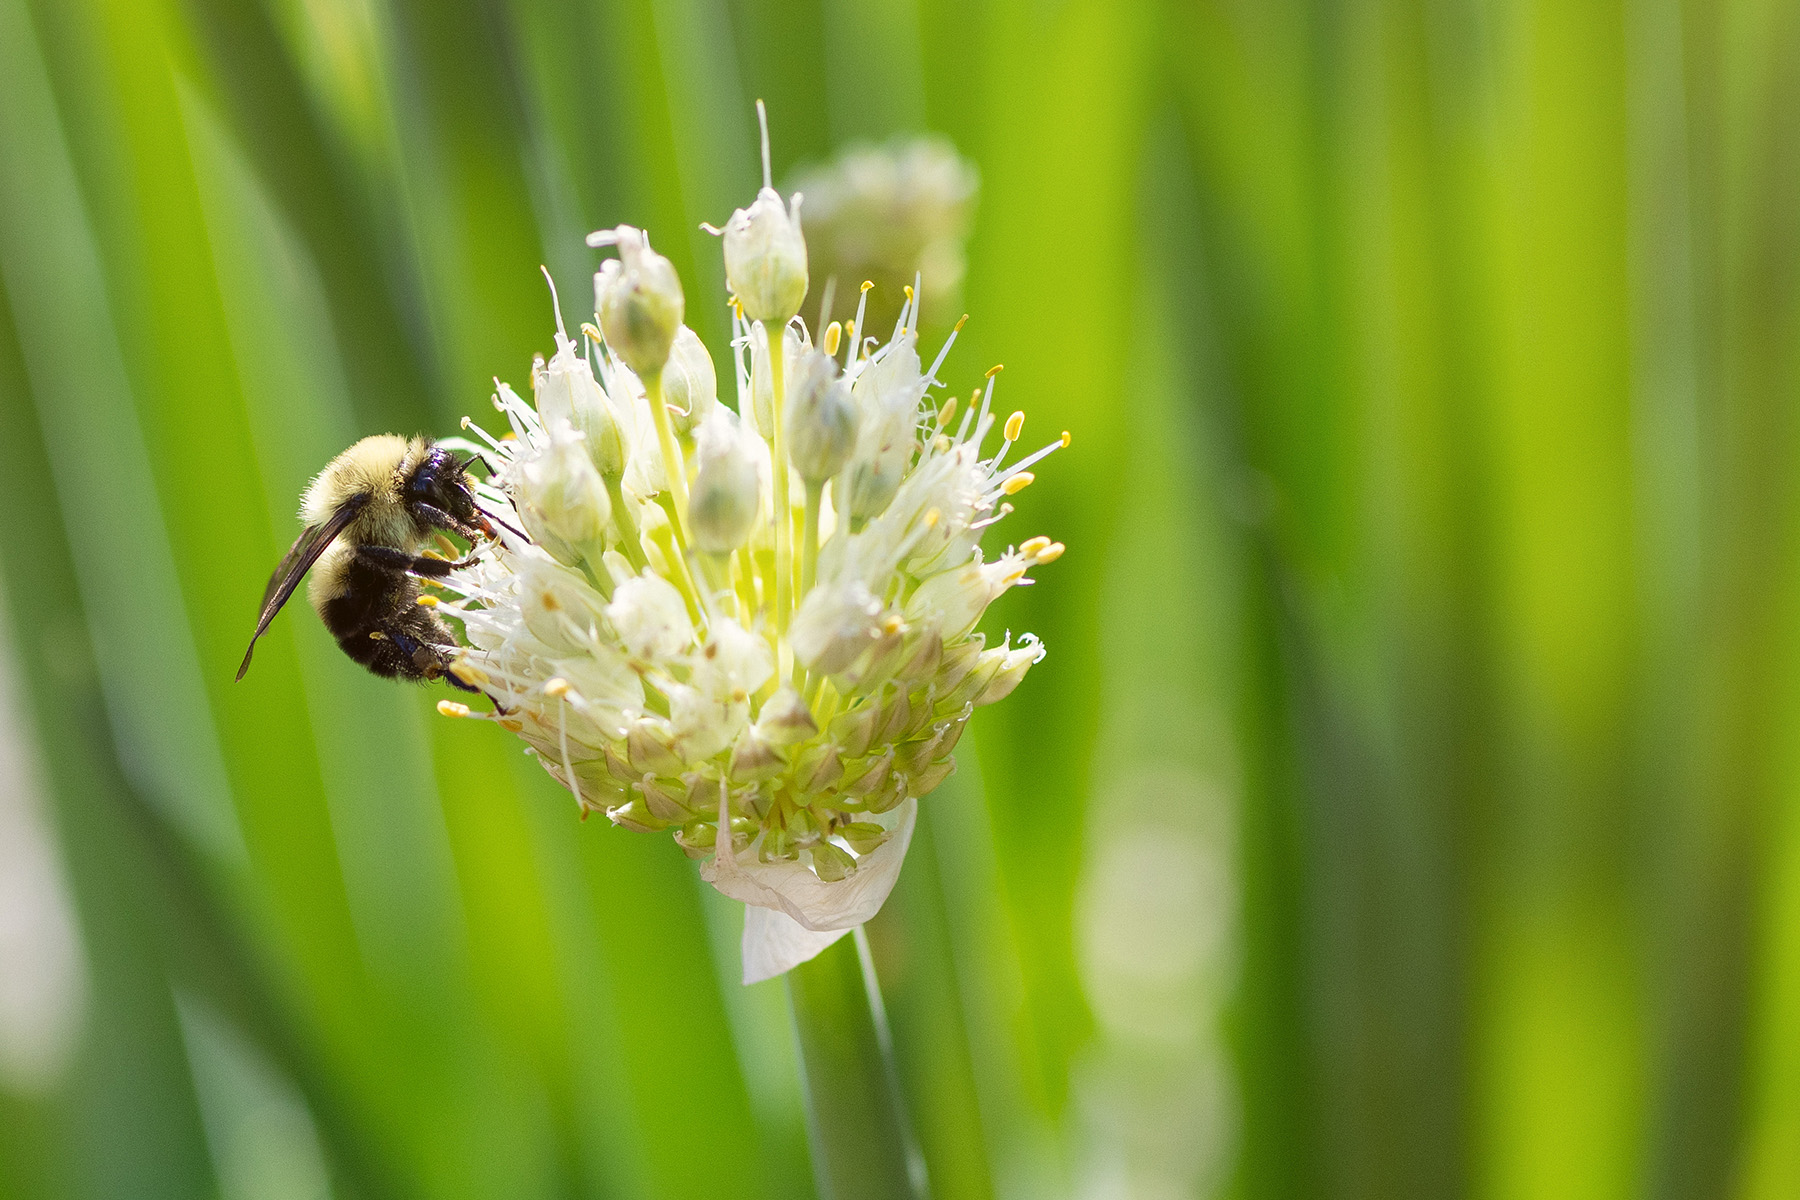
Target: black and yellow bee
368 516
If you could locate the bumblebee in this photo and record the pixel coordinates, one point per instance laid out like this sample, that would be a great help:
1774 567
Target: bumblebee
368 515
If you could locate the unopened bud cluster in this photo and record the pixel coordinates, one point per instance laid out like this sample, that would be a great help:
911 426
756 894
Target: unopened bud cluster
754 628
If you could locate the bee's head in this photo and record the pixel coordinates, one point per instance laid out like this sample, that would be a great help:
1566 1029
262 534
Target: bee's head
440 481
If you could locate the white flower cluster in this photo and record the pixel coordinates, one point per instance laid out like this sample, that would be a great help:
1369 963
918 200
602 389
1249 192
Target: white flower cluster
753 629
887 212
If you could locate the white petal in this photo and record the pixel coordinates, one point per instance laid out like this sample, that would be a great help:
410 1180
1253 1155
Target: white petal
793 889
775 943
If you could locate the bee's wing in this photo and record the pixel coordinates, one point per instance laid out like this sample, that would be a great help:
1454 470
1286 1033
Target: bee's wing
299 559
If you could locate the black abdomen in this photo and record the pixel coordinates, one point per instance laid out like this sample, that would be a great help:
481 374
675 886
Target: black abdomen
379 623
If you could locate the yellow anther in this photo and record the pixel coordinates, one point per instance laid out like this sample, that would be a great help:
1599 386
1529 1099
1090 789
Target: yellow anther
1032 547
469 673
960 322
995 369
868 284
590 331
908 290
833 332
948 411
512 726
940 443
1015 425
466 422
556 687
1051 553
510 436
427 601
1017 483
451 708
891 625
430 553
902 332
1066 439
931 518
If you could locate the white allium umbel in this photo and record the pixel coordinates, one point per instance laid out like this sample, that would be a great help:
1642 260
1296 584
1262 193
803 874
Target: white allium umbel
890 213
751 629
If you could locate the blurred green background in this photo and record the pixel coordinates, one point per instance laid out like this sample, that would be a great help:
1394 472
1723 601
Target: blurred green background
1409 805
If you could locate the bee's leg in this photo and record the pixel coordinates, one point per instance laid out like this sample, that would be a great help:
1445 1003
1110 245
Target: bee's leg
444 520
425 657
390 559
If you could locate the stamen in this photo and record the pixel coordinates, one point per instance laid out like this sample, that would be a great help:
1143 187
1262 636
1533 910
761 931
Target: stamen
591 333
1032 546
451 708
556 687
469 673
833 332
487 437
762 122
1066 439
562 335
948 412
995 369
1015 425
427 601
562 733
862 304
944 352
1017 483
1051 553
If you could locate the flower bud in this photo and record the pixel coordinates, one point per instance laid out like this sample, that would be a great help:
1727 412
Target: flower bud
562 499
650 617
704 724
821 418
726 496
565 390
559 610
690 384
637 297
887 394
835 624
765 258
1013 665
785 718
732 662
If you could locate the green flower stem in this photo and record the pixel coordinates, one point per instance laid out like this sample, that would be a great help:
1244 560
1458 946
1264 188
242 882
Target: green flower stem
629 543
784 515
673 466
854 1120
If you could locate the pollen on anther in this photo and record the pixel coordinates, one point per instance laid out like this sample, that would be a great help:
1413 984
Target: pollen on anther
556 688
868 285
1066 439
1015 425
1051 553
427 601
451 708
469 673
1033 546
833 332
995 370
1017 483
960 322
